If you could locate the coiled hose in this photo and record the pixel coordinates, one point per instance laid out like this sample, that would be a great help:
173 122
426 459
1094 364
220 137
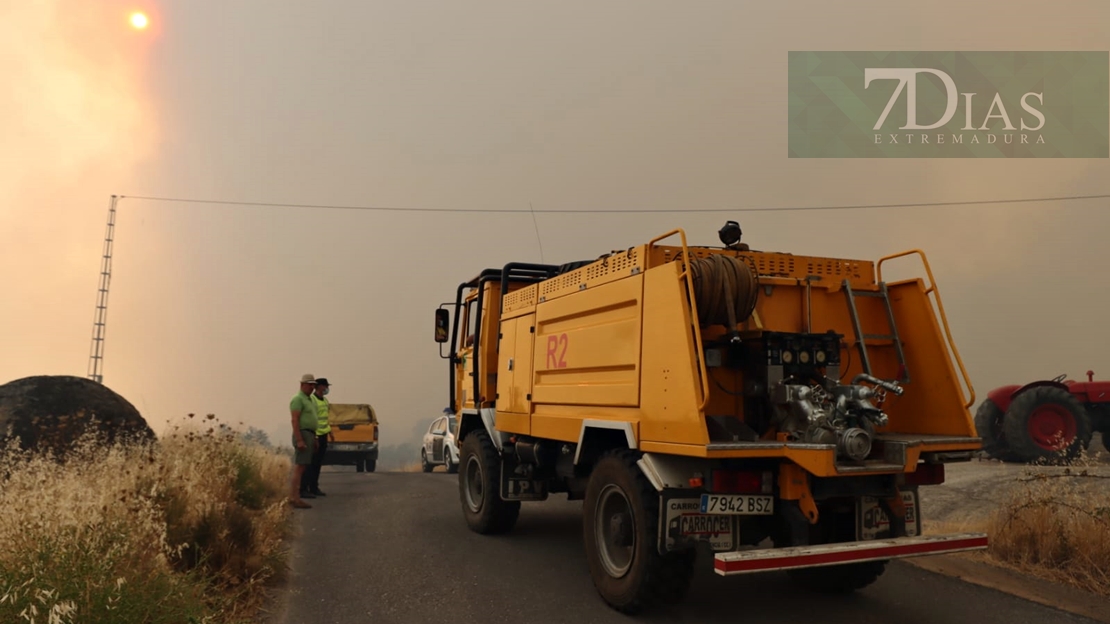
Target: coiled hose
725 290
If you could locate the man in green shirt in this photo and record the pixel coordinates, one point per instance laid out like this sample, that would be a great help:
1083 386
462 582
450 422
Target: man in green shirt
303 419
310 485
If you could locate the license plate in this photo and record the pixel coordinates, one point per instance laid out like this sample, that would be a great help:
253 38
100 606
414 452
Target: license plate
523 489
873 523
743 504
708 525
683 522
343 447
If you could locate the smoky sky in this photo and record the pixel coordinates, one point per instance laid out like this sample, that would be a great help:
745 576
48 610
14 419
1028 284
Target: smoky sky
504 105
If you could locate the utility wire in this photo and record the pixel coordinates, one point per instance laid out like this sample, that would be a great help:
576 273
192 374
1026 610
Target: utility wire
535 223
618 210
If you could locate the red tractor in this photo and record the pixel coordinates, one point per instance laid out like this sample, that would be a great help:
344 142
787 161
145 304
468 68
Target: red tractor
1044 420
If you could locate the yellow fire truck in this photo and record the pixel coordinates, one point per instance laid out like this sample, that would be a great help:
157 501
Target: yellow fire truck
780 409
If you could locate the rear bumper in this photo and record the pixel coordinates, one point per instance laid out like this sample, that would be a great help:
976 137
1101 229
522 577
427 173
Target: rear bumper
772 559
344 453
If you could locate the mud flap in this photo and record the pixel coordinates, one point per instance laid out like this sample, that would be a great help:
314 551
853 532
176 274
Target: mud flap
518 485
682 525
874 515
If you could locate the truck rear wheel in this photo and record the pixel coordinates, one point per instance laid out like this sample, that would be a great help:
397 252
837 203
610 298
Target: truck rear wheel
620 526
480 487
841 579
845 578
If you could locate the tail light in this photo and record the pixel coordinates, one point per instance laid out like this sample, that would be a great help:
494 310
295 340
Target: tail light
741 481
375 434
926 474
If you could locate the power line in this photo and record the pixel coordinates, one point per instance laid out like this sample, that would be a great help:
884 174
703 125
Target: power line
618 210
96 356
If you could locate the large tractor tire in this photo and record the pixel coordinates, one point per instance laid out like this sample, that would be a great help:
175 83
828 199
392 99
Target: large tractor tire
480 487
621 527
988 424
1047 424
1104 439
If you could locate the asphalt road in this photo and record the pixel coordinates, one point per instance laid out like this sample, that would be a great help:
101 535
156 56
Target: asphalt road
393 548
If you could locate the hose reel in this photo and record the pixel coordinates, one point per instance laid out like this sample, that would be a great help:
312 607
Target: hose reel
726 290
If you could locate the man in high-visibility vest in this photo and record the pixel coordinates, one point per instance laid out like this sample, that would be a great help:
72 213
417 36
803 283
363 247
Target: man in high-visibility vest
311 483
303 418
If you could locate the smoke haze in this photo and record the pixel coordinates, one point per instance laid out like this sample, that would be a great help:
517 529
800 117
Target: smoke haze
633 105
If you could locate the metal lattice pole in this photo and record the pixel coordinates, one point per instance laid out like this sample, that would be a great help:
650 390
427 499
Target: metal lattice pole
96 354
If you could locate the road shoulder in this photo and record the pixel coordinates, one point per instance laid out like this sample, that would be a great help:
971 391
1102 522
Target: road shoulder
275 608
973 569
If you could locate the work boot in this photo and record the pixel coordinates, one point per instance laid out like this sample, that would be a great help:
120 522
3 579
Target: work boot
317 492
300 504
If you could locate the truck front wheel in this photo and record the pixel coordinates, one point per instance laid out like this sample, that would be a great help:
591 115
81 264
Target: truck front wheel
480 487
620 526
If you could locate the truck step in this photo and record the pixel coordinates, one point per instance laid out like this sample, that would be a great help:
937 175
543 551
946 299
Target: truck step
870 467
772 559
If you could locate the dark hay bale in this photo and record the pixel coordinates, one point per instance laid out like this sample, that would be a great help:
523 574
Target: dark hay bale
50 412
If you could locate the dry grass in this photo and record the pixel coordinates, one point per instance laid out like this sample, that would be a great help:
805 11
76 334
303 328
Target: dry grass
1056 525
188 529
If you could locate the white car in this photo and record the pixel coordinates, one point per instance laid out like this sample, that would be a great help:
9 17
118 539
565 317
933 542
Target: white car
438 447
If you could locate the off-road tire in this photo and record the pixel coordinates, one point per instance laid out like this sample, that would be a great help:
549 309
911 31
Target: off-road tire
1015 426
478 460
424 465
651 578
359 465
988 423
371 464
834 527
839 579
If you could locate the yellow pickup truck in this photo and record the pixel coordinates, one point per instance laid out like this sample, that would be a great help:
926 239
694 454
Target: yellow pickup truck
353 440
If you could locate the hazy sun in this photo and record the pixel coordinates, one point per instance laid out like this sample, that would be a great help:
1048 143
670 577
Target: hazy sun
138 20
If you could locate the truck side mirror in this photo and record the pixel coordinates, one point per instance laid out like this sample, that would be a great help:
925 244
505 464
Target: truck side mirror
442 320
